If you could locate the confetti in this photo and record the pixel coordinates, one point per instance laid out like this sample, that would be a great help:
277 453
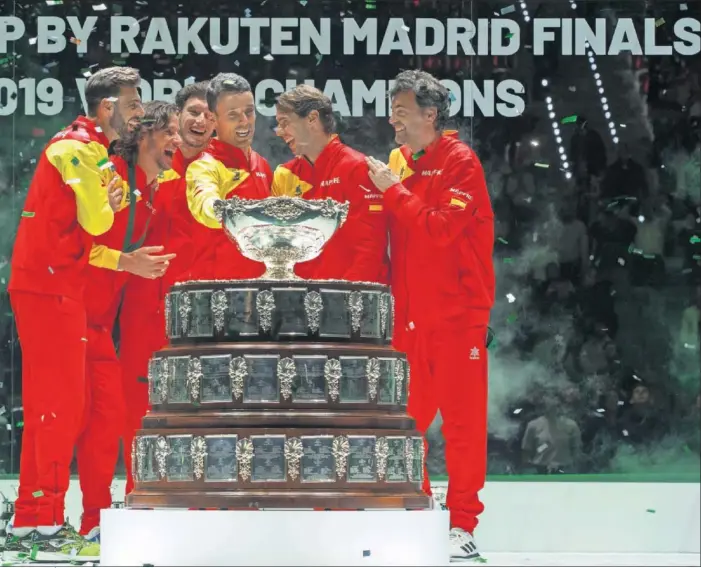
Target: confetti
247 12
569 119
451 96
518 411
302 2
54 2
683 7
508 10
511 298
650 511
38 494
659 22
75 40
508 260
502 240
268 57
406 28
319 57
99 7
694 240
541 165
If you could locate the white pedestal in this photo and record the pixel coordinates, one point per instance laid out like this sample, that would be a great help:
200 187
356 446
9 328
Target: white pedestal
167 537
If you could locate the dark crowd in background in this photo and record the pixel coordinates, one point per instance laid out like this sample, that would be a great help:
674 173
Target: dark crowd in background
595 366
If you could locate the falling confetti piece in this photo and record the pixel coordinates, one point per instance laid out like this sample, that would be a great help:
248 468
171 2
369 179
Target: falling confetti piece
659 22
302 2
99 7
268 57
54 2
511 319
518 411
508 10
694 240
75 41
247 12
319 57
406 28
650 511
511 298
508 260
569 119
541 165
38 494
573 89
502 240
683 7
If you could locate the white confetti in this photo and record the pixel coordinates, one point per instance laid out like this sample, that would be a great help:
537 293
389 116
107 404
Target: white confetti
511 298
99 7
406 28
621 262
625 433
508 9
542 448
72 181
51 270
518 411
268 57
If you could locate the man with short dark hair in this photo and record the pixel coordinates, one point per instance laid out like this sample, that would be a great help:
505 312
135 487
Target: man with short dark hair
324 167
441 239
228 167
141 318
141 155
71 201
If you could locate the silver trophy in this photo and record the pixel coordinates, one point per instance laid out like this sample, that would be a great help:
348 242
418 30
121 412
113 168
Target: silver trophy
280 231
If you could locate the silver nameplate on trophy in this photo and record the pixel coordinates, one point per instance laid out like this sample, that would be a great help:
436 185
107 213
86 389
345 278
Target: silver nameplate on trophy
220 464
177 385
216 383
310 383
387 389
179 460
268 463
175 325
243 319
417 462
361 459
318 465
149 468
201 317
371 323
262 383
290 318
354 384
335 317
396 460
154 378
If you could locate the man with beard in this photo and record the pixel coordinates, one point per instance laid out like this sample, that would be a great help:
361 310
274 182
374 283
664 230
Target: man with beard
67 206
229 167
141 155
324 168
441 238
141 319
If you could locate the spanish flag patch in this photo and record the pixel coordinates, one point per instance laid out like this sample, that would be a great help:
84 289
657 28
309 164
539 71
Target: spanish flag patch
458 203
376 207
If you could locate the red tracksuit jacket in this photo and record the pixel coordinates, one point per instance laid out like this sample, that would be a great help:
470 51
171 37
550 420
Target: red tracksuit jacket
66 206
105 283
173 228
441 235
358 250
221 172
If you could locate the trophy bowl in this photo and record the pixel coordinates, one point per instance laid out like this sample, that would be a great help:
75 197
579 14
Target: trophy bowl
280 231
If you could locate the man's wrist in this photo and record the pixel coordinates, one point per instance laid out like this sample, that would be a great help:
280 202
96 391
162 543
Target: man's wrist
124 263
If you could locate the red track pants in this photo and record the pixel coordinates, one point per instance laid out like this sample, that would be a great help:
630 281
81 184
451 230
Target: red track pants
143 333
449 373
98 444
52 334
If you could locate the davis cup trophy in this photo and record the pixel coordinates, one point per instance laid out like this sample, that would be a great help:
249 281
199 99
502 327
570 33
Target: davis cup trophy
279 392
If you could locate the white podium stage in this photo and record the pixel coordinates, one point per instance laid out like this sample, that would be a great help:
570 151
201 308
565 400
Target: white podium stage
167 537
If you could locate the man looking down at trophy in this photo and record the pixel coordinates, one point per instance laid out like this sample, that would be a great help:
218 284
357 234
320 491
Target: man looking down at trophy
441 238
324 167
141 155
142 313
71 200
228 167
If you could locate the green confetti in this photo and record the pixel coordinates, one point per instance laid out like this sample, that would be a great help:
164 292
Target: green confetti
659 22
541 165
319 57
101 163
19 425
303 2
75 161
28 214
34 552
569 119
650 511
509 36
502 241
694 240
508 260
511 318
38 494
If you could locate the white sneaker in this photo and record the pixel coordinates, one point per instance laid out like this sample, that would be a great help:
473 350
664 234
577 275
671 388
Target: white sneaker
462 545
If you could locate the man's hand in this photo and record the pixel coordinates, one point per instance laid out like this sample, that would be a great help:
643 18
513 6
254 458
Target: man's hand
380 174
146 262
115 193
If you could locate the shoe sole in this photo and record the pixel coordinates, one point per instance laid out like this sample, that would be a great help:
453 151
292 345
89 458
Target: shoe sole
46 558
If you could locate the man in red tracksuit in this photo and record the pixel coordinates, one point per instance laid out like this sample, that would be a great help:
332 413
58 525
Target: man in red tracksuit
67 206
229 167
141 319
326 168
441 238
141 156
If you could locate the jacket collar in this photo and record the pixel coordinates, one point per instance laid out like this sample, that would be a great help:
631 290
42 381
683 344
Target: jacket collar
93 130
230 156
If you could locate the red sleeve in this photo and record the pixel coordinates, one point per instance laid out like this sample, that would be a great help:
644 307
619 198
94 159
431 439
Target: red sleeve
367 226
462 200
